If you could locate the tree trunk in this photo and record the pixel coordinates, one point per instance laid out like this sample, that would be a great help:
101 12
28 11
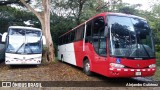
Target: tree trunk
44 18
49 54
46 31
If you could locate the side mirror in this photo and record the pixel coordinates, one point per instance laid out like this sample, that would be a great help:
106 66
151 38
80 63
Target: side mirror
4 37
44 40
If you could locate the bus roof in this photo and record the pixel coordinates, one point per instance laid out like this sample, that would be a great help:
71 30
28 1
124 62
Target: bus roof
104 14
125 15
24 27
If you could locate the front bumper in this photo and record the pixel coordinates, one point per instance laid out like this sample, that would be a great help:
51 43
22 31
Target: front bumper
22 62
124 72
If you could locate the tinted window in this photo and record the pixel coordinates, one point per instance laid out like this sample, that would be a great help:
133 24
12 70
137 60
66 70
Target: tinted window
130 37
89 29
79 33
99 40
0 38
72 36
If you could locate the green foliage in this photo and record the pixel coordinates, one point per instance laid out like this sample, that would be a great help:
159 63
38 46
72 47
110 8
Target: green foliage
127 10
157 74
12 16
156 22
66 14
7 2
79 10
60 25
157 47
158 58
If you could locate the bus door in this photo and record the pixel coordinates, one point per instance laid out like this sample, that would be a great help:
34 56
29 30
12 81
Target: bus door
99 44
88 46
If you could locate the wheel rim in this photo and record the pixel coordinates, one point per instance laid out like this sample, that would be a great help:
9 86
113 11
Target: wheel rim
87 66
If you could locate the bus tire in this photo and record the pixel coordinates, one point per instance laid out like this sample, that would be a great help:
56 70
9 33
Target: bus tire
86 67
62 59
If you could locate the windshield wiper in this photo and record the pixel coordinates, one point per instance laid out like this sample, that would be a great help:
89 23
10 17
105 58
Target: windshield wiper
30 48
144 47
19 48
35 42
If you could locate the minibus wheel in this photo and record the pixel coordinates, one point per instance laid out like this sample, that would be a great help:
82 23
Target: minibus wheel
86 67
62 59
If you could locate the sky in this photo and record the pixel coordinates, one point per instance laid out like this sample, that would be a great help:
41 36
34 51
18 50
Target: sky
145 3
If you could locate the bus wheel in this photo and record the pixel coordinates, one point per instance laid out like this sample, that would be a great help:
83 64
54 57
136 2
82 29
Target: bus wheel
86 67
62 59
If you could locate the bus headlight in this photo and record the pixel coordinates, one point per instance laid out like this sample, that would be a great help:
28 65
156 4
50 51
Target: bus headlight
115 65
152 66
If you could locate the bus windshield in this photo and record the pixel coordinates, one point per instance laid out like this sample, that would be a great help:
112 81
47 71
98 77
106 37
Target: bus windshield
24 41
130 37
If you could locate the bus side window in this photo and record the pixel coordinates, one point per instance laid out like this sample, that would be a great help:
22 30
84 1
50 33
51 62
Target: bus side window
102 46
69 38
72 36
98 26
64 39
79 33
82 31
88 29
89 32
59 41
0 38
99 40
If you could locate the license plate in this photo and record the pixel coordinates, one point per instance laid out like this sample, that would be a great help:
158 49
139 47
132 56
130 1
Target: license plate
138 73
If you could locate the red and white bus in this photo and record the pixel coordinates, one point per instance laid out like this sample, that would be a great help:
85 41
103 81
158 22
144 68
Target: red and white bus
110 44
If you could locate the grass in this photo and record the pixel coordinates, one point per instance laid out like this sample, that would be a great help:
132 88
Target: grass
157 74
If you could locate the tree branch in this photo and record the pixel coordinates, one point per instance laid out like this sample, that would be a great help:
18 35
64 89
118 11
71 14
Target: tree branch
31 9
